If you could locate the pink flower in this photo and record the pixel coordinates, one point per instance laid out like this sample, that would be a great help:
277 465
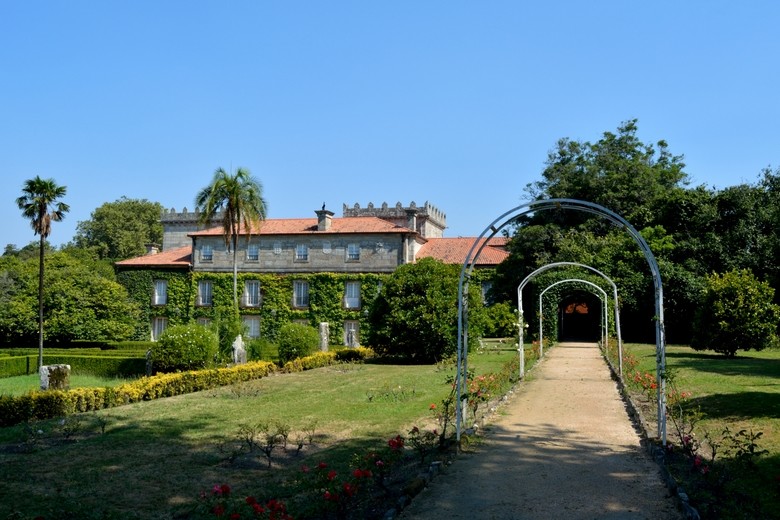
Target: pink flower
433 406
305 468
322 465
332 474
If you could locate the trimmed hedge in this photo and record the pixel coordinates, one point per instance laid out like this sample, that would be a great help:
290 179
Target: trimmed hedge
99 365
18 365
110 366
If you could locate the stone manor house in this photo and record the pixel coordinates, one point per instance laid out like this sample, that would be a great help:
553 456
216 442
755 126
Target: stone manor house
307 270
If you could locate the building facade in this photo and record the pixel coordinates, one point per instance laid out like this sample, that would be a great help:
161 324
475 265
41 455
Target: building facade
315 270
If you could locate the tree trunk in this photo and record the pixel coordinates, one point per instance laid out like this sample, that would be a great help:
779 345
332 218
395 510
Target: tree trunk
235 272
40 306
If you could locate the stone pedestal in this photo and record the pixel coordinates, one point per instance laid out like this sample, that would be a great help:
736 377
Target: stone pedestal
324 336
55 377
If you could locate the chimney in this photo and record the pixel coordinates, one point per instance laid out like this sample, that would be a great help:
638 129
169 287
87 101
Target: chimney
324 219
152 249
411 219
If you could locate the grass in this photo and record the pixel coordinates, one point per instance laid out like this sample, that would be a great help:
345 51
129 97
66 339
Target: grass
150 459
739 393
19 385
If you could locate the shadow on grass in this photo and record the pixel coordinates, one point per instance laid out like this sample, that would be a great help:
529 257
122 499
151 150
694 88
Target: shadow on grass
719 364
149 468
741 405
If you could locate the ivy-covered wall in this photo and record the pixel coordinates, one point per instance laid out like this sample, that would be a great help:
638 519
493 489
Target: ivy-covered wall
326 299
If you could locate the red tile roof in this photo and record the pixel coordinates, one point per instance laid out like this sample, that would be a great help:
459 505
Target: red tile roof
178 257
308 226
455 250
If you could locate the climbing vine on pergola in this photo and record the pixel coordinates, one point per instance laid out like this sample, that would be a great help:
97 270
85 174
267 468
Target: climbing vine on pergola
557 204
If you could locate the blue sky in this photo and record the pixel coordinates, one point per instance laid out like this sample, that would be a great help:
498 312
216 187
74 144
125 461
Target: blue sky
456 103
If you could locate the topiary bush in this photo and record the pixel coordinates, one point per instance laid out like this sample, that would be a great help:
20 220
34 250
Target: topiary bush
185 347
296 340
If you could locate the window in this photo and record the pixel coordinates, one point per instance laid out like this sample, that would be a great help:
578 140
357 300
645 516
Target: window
486 288
300 293
251 297
353 252
252 253
206 253
352 295
204 292
277 248
159 324
301 253
326 247
351 333
252 324
204 322
160 296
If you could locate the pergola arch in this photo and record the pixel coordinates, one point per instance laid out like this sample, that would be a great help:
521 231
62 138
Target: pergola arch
546 205
602 296
547 267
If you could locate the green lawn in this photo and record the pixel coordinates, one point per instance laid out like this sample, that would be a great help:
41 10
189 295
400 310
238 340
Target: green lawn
155 457
739 393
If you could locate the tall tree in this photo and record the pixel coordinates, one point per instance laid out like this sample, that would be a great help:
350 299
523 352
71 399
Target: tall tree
236 200
121 229
41 205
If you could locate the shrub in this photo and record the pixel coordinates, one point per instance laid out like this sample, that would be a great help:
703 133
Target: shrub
296 340
185 347
262 349
500 321
736 313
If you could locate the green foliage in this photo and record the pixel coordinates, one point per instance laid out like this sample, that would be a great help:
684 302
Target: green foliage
296 340
185 347
416 313
500 321
262 349
736 313
121 229
81 300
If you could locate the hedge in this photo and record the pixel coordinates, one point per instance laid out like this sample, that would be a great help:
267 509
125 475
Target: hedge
111 366
11 366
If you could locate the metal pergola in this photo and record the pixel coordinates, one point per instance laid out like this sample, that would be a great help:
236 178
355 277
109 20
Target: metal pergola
508 218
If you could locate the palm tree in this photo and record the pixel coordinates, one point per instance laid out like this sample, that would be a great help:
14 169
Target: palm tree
236 199
39 204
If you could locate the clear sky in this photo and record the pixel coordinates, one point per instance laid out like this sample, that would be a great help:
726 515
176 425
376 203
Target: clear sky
451 102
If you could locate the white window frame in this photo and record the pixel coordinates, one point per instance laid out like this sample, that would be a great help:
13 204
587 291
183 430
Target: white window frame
352 294
253 253
300 294
252 296
301 253
252 324
326 248
353 253
206 253
205 297
159 324
277 248
352 326
160 295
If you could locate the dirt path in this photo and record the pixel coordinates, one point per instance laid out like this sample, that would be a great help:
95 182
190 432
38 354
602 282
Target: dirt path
562 447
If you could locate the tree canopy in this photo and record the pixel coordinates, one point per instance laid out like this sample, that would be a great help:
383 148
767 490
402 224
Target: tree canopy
692 231
121 229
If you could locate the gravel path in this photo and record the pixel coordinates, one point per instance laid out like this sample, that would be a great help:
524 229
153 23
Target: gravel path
562 447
